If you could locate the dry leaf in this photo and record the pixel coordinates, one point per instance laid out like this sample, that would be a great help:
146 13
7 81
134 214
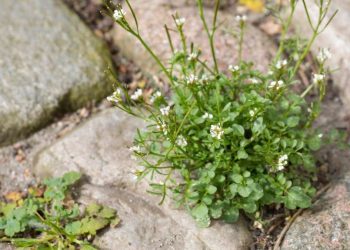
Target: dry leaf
13 196
253 5
36 191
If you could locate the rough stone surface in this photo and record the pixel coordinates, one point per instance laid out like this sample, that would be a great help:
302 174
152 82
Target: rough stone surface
6 246
98 148
336 38
152 17
50 62
327 224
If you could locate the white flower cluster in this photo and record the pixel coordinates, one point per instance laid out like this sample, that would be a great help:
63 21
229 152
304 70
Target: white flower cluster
137 94
207 116
165 111
241 18
275 84
181 141
216 131
191 79
163 127
282 162
135 149
119 14
254 81
193 56
233 68
155 96
253 112
280 64
318 78
205 79
324 55
180 21
115 97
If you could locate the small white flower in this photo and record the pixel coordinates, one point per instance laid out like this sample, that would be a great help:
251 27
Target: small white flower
163 127
180 21
318 78
165 111
254 81
320 135
204 79
155 96
280 64
181 141
216 131
119 14
233 68
324 55
275 84
282 162
253 112
135 149
207 116
191 79
137 94
241 18
270 72
193 56
115 97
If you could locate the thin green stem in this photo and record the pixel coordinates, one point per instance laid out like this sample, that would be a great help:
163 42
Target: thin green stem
241 39
306 51
285 29
206 28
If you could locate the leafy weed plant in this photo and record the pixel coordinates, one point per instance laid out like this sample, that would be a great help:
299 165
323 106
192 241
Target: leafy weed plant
51 220
227 143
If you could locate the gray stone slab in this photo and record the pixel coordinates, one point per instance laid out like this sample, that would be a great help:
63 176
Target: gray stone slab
50 63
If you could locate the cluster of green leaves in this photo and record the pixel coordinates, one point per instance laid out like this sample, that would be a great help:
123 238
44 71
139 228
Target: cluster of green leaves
53 221
227 142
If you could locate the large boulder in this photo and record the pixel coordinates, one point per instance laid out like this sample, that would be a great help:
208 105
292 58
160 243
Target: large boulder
98 149
50 62
335 37
256 48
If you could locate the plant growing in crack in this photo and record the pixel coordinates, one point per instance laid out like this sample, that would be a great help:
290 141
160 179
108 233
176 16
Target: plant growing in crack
223 144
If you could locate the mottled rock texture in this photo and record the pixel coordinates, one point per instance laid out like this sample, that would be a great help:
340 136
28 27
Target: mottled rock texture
327 224
50 63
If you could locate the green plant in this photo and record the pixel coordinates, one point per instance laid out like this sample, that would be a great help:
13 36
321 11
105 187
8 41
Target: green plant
52 220
228 143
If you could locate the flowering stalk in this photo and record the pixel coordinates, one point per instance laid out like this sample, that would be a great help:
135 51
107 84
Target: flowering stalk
210 34
242 22
323 10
